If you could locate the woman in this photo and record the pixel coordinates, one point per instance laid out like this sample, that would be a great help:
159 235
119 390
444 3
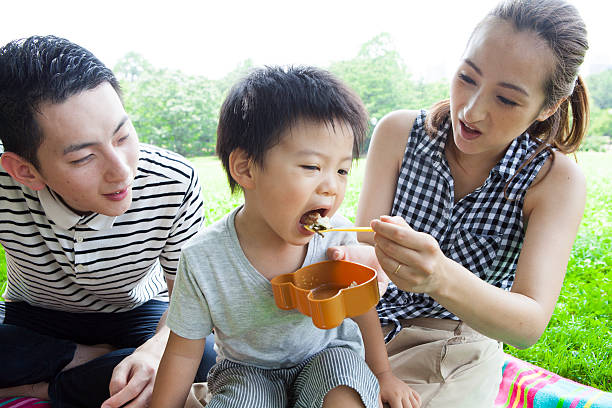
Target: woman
485 203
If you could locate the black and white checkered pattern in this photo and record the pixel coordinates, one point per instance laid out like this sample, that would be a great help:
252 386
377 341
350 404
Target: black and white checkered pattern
484 231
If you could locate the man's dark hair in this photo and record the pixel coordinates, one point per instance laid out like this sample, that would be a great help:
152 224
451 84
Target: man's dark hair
36 70
268 101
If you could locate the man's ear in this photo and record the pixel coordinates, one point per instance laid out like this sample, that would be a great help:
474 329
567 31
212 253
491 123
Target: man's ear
22 170
548 112
241 168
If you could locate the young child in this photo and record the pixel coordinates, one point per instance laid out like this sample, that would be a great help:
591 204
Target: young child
286 137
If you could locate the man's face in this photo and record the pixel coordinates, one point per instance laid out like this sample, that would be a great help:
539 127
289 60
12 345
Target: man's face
89 153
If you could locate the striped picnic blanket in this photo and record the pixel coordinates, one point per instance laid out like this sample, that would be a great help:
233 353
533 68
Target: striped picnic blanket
523 386
527 386
23 402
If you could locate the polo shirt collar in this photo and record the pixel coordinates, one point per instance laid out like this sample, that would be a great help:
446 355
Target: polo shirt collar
57 212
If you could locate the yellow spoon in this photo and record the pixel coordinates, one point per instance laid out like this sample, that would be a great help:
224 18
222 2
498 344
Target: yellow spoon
355 229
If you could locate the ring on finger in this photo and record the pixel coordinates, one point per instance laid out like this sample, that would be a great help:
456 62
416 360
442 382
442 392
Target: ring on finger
399 265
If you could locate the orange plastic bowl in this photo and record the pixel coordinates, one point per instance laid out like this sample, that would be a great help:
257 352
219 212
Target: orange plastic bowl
328 291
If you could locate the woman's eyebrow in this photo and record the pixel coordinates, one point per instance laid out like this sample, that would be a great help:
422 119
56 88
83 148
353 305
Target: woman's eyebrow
515 87
502 84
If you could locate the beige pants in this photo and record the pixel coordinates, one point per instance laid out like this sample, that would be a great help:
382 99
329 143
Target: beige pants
447 362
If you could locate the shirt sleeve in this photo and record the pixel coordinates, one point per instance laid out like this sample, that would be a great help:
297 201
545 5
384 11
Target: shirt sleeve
188 313
188 220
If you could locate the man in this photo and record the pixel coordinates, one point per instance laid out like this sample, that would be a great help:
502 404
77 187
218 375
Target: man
92 224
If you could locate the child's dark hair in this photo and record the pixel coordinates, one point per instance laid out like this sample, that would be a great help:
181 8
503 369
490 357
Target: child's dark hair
37 70
269 100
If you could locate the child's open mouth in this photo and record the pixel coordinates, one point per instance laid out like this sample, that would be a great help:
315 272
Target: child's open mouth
312 216
315 221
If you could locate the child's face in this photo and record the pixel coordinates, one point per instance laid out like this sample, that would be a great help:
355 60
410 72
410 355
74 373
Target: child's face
307 171
89 154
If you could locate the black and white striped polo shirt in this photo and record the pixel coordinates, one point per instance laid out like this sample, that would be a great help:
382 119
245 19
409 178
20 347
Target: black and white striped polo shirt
96 263
483 231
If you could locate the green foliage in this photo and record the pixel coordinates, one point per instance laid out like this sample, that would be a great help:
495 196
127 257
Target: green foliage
601 122
600 92
600 88
379 76
131 67
595 143
599 134
170 109
180 112
2 272
428 93
218 200
224 84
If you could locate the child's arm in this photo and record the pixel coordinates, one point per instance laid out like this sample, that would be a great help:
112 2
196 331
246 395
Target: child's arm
177 371
393 391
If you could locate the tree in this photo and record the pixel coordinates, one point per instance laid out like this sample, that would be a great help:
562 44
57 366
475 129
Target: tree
600 88
131 67
379 76
224 84
180 112
169 108
428 93
601 122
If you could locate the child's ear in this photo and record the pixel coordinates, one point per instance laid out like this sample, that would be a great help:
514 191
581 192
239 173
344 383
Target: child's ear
22 170
241 168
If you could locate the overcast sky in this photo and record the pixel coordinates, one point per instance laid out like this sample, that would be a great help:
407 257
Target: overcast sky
211 37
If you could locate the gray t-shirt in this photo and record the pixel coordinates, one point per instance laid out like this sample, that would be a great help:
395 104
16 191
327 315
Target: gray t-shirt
216 286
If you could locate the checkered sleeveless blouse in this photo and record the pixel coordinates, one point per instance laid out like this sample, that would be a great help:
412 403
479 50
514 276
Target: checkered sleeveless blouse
483 231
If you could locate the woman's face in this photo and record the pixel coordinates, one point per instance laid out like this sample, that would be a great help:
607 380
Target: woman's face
498 89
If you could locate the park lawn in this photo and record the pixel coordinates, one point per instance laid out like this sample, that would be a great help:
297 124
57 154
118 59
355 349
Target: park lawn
578 341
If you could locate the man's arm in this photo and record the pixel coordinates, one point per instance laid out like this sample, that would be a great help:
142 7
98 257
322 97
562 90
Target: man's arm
134 377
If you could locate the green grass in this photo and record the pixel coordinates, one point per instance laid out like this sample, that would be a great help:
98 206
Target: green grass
578 341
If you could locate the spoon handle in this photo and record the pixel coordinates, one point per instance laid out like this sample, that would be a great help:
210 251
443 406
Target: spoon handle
356 229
